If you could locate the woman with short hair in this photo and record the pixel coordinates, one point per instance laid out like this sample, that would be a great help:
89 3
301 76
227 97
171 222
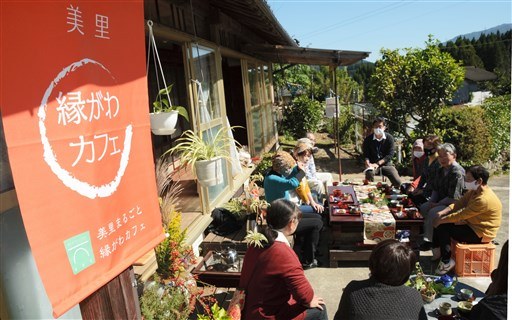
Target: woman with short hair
275 284
423 191
384 295
475 218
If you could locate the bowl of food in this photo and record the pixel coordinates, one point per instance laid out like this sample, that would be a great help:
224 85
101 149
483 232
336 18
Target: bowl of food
393 203
464 307
401 214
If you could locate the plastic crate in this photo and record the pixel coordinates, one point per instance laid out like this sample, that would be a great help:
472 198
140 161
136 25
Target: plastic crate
473 260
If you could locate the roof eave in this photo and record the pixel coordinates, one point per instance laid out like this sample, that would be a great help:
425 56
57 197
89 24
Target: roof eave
302 55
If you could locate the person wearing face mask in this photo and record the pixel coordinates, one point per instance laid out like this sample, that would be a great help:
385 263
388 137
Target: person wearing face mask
474 218
418 161
378 150
423 190
284 177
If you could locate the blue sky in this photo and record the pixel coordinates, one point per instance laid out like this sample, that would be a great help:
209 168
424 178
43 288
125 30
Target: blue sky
369 25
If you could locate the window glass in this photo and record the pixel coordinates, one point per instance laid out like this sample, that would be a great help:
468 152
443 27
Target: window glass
253 85
206 78
268 89
256 124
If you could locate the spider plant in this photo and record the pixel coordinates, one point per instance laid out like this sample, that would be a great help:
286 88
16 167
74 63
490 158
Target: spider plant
192 147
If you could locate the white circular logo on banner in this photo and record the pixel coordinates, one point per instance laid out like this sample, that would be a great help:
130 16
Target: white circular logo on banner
84 188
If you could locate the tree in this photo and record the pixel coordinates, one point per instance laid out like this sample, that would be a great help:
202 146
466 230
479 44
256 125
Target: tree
302 116
361 72
491 52
414 86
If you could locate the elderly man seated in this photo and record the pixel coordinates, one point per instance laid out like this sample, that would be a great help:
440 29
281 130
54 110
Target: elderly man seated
447 188
318 181
475 218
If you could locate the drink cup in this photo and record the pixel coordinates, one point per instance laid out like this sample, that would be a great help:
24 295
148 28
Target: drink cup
445 308
466 294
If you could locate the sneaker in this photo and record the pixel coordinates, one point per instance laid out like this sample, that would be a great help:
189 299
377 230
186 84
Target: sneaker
443 268
425 246
436 254
311 265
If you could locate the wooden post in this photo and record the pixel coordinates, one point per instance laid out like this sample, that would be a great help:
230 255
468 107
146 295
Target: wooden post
117 299
336 126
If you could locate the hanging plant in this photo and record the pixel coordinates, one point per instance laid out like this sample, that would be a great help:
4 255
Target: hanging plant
164 117
162 103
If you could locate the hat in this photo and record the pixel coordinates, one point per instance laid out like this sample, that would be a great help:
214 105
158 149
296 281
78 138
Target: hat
418 143
282 162
305 140
300 148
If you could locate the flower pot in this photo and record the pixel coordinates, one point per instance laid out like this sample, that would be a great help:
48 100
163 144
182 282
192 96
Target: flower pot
163 123
209 172
428 296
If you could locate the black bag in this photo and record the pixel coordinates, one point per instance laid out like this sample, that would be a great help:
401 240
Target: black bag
224 222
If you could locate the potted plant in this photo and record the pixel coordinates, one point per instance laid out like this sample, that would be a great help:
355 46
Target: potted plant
164 117
204 156
251 206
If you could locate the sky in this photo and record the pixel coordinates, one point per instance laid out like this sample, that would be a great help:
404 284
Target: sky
369 25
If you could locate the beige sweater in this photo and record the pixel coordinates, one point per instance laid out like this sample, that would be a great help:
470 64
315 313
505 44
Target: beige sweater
481 210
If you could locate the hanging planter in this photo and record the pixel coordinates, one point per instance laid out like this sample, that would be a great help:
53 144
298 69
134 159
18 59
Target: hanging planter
209 172
164 117
163 123
205 156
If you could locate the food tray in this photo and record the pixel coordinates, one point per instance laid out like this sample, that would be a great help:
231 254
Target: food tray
396 216
339 212
349 199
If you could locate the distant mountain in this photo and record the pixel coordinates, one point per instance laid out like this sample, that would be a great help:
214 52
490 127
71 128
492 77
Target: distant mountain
502 28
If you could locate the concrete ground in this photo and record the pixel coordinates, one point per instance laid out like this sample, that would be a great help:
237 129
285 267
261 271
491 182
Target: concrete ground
328 283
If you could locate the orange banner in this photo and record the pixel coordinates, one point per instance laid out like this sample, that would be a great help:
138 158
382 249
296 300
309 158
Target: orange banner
74 104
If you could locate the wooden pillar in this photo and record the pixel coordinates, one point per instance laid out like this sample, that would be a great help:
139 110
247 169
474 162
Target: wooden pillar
117 299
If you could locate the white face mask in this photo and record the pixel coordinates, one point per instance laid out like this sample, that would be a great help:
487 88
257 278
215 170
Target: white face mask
378 131
471 185
418 154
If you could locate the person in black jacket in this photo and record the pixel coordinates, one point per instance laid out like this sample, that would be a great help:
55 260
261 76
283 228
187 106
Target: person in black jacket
378 150
494 305
384 296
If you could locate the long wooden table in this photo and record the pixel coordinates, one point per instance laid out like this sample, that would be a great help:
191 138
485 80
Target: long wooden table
347 233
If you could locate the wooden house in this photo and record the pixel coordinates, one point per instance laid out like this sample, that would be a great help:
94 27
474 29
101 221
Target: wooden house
229 47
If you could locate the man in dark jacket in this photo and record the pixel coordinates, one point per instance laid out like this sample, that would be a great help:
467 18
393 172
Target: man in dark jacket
378 150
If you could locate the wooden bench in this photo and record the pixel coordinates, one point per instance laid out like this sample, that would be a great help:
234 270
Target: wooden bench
235 240
145 266
213 242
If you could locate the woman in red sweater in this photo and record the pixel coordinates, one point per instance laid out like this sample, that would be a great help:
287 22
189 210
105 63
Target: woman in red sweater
272 276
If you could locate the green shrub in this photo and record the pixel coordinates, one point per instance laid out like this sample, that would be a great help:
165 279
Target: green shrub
302 116
497 117
173 255
158 303
466 129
